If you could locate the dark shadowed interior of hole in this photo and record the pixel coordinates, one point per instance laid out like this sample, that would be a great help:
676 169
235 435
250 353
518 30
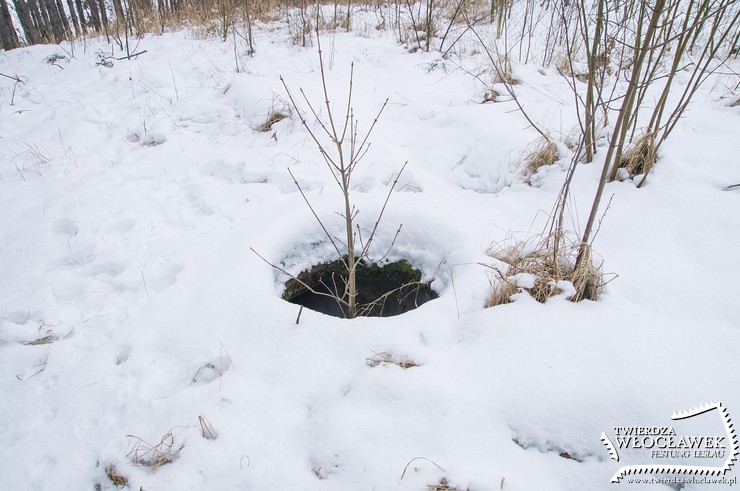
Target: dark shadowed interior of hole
382 291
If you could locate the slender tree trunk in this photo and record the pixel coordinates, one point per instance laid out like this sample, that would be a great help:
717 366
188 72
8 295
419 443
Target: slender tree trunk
118 8
349 15
304 23
680 49
7 31
47 31
55 21
63 18
94 14
162 13
590 143
103 17
81 14
38 21
640 53
73 15
628 103
429 23
24 15
351 260
248 13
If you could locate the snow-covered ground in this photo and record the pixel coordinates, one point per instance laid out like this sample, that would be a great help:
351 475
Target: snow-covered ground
130 197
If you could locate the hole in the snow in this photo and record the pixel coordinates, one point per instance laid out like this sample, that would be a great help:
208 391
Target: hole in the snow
382 291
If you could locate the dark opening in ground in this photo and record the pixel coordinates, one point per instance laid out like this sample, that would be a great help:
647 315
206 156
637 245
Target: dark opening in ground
382 291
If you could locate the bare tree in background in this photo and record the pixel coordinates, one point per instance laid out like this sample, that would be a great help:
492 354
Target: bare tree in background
8 37
27 23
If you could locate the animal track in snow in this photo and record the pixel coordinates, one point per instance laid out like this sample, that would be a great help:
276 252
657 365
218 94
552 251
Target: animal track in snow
211 370
123 353
66 226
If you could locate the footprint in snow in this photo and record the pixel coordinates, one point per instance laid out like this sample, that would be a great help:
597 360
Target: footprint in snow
19 317
109 269
123 226
123 353
210 371
66 226
76 256
148 140
162 275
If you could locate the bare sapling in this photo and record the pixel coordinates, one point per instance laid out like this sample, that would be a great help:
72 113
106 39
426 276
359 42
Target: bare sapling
627 104
502 69
667 40
500 11
550 257
717 22
342 148
428 24
593 56
414 23
458 7
248 18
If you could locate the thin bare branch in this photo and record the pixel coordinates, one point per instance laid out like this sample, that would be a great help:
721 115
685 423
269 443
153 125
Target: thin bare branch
502 77
382 210
301 282
310 207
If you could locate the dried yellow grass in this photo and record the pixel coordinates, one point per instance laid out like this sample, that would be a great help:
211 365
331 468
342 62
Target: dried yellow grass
563 62
537 257
641 156
384 358
504 74
206 429
273 117
48 339
586 279
491 95
540 153
153 456
443 485
502 292
116 477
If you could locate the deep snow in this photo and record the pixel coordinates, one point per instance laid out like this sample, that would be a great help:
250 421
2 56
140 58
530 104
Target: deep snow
129 199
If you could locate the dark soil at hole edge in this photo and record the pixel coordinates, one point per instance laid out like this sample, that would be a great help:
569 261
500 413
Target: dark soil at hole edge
373 282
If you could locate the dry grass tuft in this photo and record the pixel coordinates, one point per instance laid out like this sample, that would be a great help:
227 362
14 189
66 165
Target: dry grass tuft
641 156
541 152
491 95
443 485
273 118
586 279
547 447
502 292
566 455
504 74
48 339
544 288
319 473
153 456
535 267
564 65
116 477
206 428
384 358
572 138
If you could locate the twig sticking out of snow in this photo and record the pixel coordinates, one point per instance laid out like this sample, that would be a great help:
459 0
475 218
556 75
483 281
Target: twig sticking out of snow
206 428
153 456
